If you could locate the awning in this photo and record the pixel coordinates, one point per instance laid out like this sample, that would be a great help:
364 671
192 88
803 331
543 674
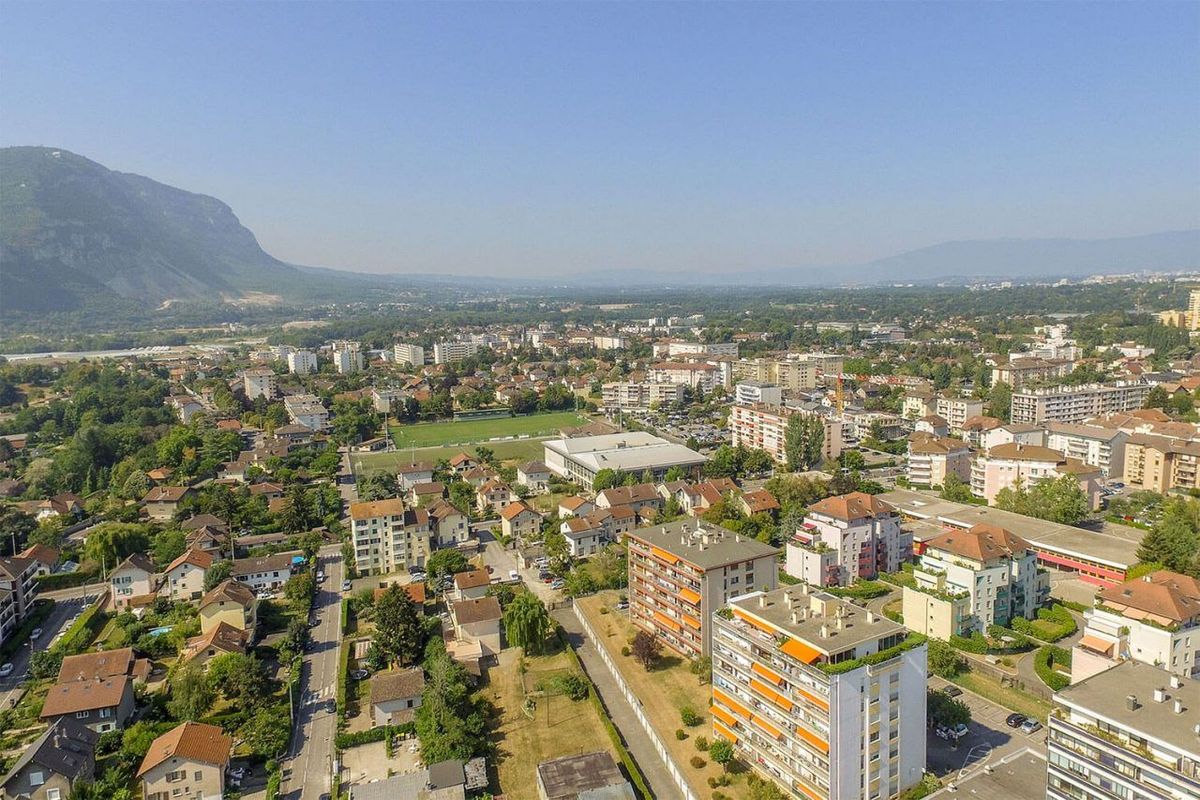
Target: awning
665 620
689 595
815 699
769 674
813 739
729 719
729 702
664 555
1097 644
766 726
769 693
800 651
724 732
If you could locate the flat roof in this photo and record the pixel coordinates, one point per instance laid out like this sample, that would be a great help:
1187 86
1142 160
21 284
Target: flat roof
1019 777
703 544
1105 694
822 610
1114 545
631 451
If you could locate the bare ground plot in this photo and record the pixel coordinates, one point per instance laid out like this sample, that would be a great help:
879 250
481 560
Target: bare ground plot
663 691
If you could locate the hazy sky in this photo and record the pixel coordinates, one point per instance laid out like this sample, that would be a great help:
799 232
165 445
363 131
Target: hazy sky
496 139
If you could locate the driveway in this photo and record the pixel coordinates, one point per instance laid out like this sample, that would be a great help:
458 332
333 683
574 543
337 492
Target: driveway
502 561
56 623
990 739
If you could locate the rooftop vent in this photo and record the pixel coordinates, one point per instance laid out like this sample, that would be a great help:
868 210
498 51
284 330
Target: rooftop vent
1131 702
1178 706
1160 695
762 601
1176 682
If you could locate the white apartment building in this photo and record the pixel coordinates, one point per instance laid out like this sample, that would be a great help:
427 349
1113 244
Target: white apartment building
845 538
627 396
387 401
1129 732
677 348
411 354
1012 434
387 537
1095 446
957 410
684 373
932 458
819 696
1077 403
765 427
1003 466
449 352
347 356
260 382
749 393
1025 369
603 342
302 362
1154 619
307 410
970 579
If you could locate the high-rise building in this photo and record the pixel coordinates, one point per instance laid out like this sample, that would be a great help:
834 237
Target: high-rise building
1130 732
307 410
302 362
822 697
845 538
764 427
449 352
1077 403
681 572
347 356
388 537
259 382
411 354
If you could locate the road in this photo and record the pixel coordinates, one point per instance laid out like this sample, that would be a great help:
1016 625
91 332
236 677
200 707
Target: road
64 610
308 764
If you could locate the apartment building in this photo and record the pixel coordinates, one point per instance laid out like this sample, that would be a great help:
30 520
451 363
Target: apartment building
682 572
765 428
932 458
1020 372
1129 732
697 374
823 698
260 382
1161 463
1154 619
306 410
970 579
1096 446
749 393
411 354
347 356
957 410
449 352
845 538
302 362
678 348
18 589
1006 465
793 373
641 395
388 537
918 403
1013 434
1077 403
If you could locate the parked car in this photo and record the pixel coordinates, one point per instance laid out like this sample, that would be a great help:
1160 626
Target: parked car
622 605
1015 720
35 633
359 674
1031 726
6 670
345 586
320 576
952 691
513 575
557 584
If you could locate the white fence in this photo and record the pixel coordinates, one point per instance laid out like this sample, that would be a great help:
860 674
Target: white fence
638 711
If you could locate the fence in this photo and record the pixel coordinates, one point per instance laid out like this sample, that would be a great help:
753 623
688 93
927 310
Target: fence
636 705
1007 678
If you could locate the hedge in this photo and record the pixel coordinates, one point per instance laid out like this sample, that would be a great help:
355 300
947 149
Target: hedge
347 740
85 630
1043 664
343 675
863 590
66 580
911 641
635 774
1057 623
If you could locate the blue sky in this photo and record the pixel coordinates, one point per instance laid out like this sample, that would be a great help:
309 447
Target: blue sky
492 138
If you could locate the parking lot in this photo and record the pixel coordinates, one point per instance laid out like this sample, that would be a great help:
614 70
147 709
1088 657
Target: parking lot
988 740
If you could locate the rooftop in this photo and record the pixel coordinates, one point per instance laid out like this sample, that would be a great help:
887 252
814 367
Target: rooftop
703 545
851 507
565 778
481 609
193 742
1164 597
392 507
631 451
1017 777
982 542
397 685
812 617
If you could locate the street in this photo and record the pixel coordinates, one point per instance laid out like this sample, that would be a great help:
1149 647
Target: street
308 764
64 611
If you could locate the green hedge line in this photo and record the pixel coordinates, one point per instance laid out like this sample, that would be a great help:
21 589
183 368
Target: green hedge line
345 740
1043 664
635 774
1056 623
66 580
343 678
85 630
863 590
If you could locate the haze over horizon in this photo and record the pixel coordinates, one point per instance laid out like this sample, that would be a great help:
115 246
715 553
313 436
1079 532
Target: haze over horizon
555 139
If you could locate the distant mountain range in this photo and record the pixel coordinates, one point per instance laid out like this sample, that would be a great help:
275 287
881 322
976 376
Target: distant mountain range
73 232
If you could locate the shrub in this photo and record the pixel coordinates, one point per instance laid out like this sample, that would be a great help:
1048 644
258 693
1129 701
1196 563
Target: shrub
679 734
625 651
701 743
603 609
1043 664
698 762
689 716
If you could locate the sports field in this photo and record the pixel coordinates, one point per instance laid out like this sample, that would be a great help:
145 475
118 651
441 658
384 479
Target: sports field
515 450
479 431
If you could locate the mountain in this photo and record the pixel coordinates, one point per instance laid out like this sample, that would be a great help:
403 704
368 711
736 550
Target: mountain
73 232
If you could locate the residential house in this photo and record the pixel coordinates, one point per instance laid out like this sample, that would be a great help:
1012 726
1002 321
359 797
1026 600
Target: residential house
162 502
232 603
54 765
463 462
449 524
187 762
478 620
758 501
585 536
221 639
493 495
265 573
697 498
574 506
134 578
535 476
518 521
101 704
409 474
471 584
104 664
183 579
637 497
45 558
422 494
396 696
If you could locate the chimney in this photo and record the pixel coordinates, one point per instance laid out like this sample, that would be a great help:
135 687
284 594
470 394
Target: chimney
870 617
1176 682
1178 706
762 601
1160 696
824 631
795 617
1131 702
788 601
840 623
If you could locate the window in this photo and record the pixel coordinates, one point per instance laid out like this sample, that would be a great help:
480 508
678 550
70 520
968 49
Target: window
53 794
81 715
199 776
37 778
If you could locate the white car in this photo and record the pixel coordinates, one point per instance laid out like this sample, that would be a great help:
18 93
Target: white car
6 670
513 575
35 633
320 577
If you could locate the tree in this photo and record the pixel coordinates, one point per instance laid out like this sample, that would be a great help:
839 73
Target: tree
137 738
15 521
168 546
296 516
605 478
1000 400
721 752
299 591
135 486
445 562
646 649
1173 540
263 733
450 723
112 542
803 441
527 623
757 461
956 489
217 573
398 629
240 678
942 709
1058 500
944 660
191 696
852 460
1157 397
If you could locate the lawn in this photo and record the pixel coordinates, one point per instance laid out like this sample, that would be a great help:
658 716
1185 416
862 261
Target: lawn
559 726
470 432
515 450
1005 696
663 692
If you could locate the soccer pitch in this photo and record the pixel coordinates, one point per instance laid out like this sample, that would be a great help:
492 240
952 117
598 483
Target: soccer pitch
479 431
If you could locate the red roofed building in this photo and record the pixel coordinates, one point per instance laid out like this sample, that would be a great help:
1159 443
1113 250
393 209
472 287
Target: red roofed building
845 538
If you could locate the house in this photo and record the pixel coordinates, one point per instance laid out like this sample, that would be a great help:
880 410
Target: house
478 620
396 695
493 495
213 541
574 506
519 521
162 502
44 557
268 490
232 603
478 476
448 523
445 780
65 504
584 536
759 501
409 474
101 704
585 775
265 573
188 761
160 474
183 579
199 521
133 578
220 639
535 476
59 760
463 462
104 664
643 495
420 494
471 584
698 498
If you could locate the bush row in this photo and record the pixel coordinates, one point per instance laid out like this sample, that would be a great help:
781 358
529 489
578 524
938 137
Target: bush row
1044 662
346 740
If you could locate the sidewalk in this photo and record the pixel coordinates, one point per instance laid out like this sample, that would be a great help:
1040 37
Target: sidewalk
643 752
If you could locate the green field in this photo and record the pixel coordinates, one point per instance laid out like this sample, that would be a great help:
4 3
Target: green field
472 432
518 450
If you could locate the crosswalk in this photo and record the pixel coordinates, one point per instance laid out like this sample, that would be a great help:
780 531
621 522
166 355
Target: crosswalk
320 695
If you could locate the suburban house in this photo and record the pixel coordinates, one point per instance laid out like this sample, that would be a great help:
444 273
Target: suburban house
471 584
493 495
265 573
448 523
420 494
133 578
221 639
519 521
101 704
232 603
575 506
396 695
535 476
695 499
463 462
584 536
409 474
188 761
643 495
104 664
211 540
183 579
44 556
758 501
162 502
59 760
478 620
